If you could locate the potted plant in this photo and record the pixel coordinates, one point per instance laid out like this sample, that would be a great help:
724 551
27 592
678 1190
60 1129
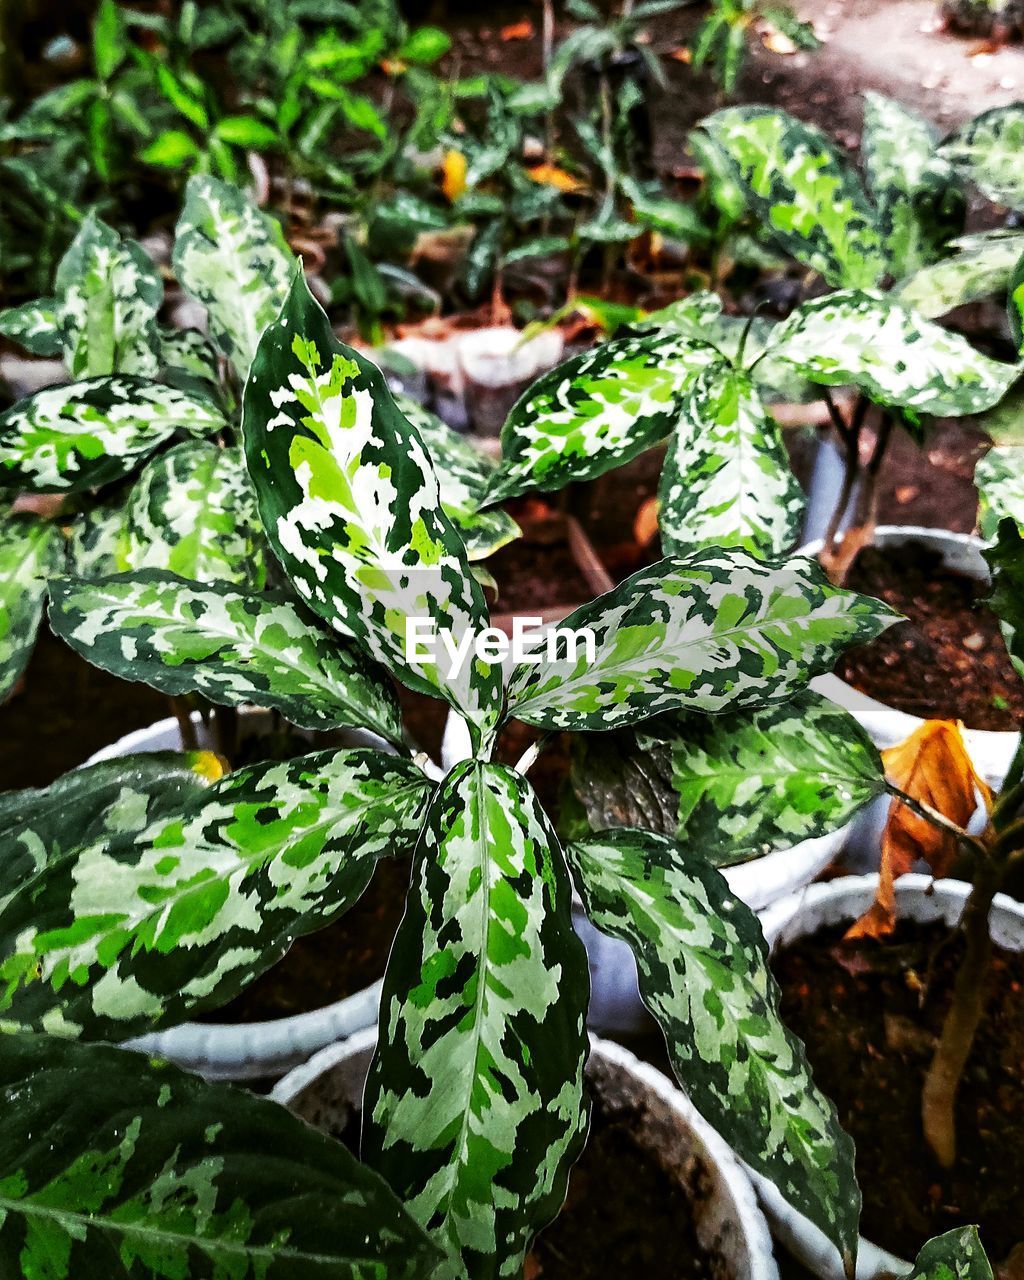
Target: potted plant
486 985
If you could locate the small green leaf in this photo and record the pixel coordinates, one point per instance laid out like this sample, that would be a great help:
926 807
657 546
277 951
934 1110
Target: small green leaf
109 293
1016 304
727 481
897 358
474 1106
29 549
233 259
109 42
596 411
804 192
117 938
34 326
171 149
958 1255
245 131
703 968
350 502
919 199
193 512
425 45
147 1171
713 631
233 647
988 149
981 268
91 433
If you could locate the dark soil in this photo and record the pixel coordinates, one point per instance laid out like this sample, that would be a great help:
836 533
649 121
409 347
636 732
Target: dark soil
332 963
948 660
625 1215
537 571
869 1014
63 711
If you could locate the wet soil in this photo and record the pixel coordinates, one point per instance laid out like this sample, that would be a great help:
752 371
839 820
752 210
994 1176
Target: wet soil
948 661
332 963
869 1014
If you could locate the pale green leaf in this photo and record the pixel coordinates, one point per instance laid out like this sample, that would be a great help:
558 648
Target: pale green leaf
990 151
29 549
981 268
34 326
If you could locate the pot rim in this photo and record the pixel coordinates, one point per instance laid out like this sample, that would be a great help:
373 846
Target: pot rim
834 902
734 1184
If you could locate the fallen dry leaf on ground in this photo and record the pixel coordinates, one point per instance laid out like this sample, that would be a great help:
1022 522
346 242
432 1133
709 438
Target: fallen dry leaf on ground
518 30
933 767
453 175
550 175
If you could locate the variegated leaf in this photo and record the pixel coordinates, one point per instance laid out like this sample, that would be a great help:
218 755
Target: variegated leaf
727 481
1015 304
231 646
596 411
109 293
474 1108
999 478
462 476
33 326
95 540
981 268
117 938
1005 557
148 1171
804 191
713 631
193 512
703 969
755 781
190 352
958 1255
990 151
867 340
232 258
100 801
350 502
917 195
29 550
88 434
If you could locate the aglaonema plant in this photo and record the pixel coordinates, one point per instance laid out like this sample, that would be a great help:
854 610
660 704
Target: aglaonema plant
141 450
475 1109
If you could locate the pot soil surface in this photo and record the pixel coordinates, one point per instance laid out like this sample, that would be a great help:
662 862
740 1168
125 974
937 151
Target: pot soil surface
332 963
869 1013
948 661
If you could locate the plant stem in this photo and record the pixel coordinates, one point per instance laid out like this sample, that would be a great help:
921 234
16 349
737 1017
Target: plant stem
958 1031
529 757
183 715
850 436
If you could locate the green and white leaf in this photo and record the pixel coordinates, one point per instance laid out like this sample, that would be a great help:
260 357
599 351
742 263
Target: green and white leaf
231 646
351 505
118 938
981 268
95 539
149 1171
919 200
463 473
474 1107
897 358
999 479
88 434
990 151
233 258
958 1255
96 802
596 411
755 781
29 551
109 292
713 631
190 352
804 192
33 326
727 481
193 512
703 970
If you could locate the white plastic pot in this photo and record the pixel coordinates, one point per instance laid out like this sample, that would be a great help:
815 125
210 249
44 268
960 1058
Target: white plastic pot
329 1089
836 902
991 751
255 1050
615 1004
